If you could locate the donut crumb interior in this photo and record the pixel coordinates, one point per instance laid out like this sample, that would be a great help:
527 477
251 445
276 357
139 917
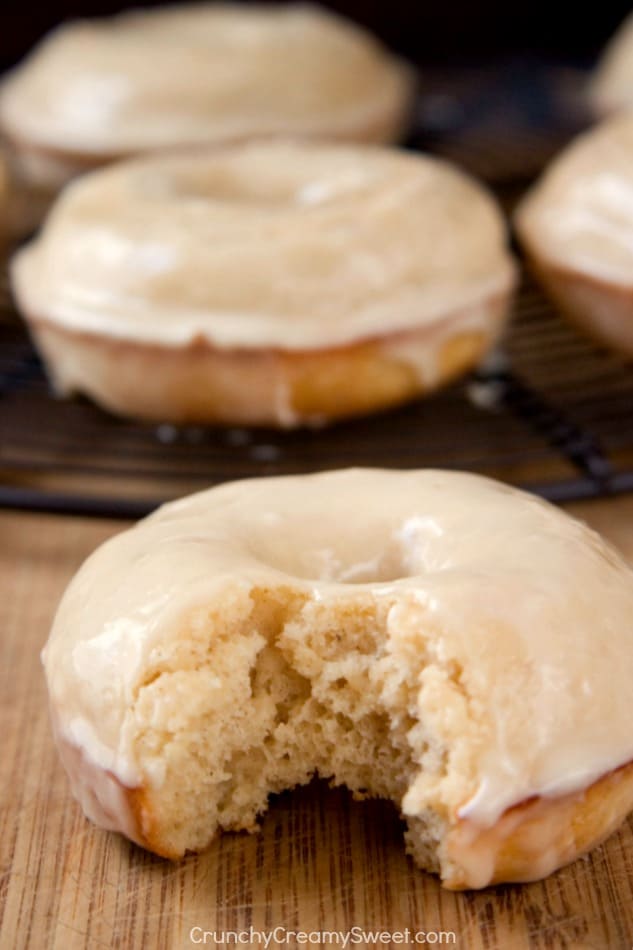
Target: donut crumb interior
272 688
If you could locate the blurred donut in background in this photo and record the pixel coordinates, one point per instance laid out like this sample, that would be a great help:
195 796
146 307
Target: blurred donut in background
213 74
576 226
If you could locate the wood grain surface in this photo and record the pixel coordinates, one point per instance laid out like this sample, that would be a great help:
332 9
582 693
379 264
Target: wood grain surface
320 863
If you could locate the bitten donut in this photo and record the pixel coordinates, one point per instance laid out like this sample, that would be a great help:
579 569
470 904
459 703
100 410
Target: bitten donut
266 284
576 226
433 638
143 81
611 85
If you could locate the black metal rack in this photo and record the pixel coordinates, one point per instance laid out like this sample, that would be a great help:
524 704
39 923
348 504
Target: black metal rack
549 404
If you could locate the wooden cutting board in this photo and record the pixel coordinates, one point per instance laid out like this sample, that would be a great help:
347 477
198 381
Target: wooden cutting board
321 862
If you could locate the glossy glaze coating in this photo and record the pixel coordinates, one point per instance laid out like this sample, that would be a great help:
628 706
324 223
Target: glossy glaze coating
270 245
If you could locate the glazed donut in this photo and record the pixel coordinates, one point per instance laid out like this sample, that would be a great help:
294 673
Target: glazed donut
143 81
611 84
433 638
266 284
576 226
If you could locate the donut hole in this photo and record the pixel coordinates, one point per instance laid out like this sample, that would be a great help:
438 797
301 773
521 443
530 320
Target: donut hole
329 565
222 184
266 181
407 550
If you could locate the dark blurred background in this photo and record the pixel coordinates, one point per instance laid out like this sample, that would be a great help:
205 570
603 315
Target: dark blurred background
441 31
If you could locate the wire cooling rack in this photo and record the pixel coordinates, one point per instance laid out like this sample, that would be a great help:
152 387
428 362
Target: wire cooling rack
549 411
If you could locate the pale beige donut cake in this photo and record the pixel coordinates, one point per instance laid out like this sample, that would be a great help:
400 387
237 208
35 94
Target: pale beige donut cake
611 84
273 283
434 638
576 226
142 81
